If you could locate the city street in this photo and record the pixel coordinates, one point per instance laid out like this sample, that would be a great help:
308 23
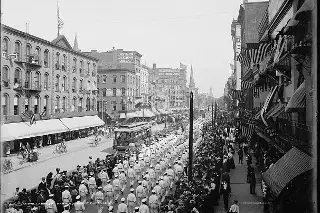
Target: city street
78 154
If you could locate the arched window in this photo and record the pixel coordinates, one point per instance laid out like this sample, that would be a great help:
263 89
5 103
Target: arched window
64 63
28 50
94 71
36 105
5 47
16 105
74 85
38 52
98 78
57 105
17 49
88 104
64 104
5 76
46 81
123 91
57 61
28 79
74 67
81 67
93 105
80 105
37 80
46 103
64 83
104 92
57 83
123 78
17 77
27 103
46 58
88 71
114 79
81 85
5 104
89 86
73 106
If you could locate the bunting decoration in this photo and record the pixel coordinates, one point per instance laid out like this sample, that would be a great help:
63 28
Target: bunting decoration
263 49
243 58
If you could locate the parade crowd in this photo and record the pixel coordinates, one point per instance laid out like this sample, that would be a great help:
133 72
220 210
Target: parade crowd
156 178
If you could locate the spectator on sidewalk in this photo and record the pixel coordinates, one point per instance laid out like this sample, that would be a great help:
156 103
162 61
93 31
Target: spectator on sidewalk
252 180
224 191
16 194
240 154
234 207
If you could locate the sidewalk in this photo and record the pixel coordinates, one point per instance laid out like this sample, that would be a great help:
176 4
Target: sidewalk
46 152
240 189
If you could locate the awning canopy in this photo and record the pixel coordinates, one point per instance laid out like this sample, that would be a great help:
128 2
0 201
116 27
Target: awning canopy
122 115
154 110
292 164
145 113
275 112
131 115
15 131
298 99
77 123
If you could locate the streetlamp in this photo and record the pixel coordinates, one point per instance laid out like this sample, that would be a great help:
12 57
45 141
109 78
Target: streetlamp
190 137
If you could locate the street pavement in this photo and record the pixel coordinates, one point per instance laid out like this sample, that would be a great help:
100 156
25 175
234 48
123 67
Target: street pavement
29 174
240 189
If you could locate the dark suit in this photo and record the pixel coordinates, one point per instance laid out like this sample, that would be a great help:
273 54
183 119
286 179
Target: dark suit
43 186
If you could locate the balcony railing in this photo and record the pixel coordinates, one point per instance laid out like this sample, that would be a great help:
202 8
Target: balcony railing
33 60
32 86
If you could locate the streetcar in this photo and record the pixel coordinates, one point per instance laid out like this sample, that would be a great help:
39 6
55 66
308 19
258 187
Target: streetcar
131 136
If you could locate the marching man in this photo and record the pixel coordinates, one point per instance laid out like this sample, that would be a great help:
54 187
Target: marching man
131 201
78 205
139 192
83 191
116 187
99 197
144 208
50 205
66 196
108 190
123 181
154 202
131 175
122 207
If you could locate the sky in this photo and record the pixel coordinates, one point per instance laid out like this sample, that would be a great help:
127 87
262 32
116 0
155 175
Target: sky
165 32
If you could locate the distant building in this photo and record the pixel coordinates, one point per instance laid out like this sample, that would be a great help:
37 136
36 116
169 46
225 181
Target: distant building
144 83
119 80
170 87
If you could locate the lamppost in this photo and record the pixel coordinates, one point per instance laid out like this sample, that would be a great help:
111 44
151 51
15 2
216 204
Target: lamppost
190 137
212 114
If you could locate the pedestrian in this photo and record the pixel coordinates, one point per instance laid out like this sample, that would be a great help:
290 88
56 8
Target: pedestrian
240 154
234 207
78 205
252 183
50 205
225 193
99 197
131 201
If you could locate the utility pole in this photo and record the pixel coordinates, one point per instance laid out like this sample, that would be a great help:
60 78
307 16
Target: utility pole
212 115
190 137
215 112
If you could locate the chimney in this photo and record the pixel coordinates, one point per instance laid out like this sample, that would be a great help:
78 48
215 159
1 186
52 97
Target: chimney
154 66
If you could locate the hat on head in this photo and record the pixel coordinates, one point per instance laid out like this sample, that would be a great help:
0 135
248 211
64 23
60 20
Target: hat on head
78 197
153 191
136 209
131 190
108 181
50 195
17 188
144 200
100 187
82 181
123 199
139 182
110 208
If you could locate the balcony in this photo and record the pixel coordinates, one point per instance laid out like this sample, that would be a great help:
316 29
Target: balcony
32 60
32 87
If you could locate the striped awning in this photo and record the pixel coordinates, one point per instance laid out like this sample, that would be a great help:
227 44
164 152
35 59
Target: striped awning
257 116
275 112
292 164
298 99
131 115
247 132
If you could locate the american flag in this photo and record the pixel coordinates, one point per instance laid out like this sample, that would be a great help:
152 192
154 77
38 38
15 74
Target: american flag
243 58
263 49
29 114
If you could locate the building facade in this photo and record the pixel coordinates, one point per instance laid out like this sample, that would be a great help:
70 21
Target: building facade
119 80
170 88
144 82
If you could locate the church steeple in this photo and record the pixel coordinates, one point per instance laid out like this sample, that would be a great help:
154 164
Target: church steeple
75 46
191 82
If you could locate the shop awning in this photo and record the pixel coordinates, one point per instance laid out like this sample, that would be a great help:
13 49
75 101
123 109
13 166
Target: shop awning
155 111
145 113
77 123
122 115
131 115
292 164
15 131
298 99
276 111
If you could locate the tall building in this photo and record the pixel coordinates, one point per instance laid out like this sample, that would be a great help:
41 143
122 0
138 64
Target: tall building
119 79
170 87
192 87
236 40
144 83
48 78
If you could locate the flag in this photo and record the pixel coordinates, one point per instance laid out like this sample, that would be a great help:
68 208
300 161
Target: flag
244 58
264 47
43 114
29 114
182 66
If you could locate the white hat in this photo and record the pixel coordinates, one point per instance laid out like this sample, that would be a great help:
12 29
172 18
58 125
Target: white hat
144 200
123 199
50 195
82 181
131 190
153 191
78 197
110 208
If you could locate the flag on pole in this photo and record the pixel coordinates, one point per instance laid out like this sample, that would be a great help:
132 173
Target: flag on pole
43 114
182 66
29 114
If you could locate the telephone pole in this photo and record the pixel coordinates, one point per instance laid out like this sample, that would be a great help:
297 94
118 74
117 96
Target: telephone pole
190 137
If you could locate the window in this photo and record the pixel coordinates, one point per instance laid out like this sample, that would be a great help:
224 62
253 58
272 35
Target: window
104 79
16 103
73 106
5 104
64 63
81 84
17 77
123 78
64 83
64 106
80 105
45 104
46 58
114 92
28 79
37 80
88 71
123 91
5 47
81 67
114 107
57 105
57 83
5 76
88 86
36 105
88 104
94 69
57 61
38 52
74 85
28 50
46 81
27 103
74 67
123 105
98 79
104 91
93 104
114 79
17 49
